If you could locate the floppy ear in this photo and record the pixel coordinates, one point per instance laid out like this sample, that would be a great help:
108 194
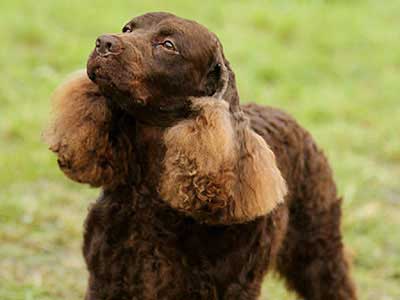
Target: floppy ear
91 141
217 169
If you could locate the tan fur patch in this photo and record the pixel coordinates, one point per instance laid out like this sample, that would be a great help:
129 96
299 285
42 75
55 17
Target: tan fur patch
79 132
218 169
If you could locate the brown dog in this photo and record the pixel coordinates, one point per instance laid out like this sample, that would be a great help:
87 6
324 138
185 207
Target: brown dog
194 204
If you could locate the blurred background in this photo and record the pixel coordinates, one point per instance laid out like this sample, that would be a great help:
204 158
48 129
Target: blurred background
334 65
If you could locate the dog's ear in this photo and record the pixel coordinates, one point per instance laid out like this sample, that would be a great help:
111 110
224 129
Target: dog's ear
217 169
220 80
93 143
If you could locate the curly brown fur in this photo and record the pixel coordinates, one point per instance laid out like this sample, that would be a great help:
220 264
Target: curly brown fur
84 135
193 201
217 169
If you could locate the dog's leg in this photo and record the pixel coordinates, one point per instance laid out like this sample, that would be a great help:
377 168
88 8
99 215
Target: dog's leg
312 259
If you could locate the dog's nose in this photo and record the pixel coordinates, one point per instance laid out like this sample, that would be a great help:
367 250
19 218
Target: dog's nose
108 44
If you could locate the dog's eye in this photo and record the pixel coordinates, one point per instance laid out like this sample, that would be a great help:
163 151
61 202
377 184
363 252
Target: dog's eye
168 45
126 29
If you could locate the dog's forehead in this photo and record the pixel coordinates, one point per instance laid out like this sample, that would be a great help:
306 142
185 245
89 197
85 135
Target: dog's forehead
186 27
194 40
170 22
150 19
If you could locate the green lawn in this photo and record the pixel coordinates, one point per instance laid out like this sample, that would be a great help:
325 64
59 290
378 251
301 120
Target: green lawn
334 65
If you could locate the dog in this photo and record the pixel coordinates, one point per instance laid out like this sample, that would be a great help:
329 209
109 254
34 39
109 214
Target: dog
200 195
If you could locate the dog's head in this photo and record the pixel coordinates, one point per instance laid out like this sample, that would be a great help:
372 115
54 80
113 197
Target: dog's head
167 73
157 63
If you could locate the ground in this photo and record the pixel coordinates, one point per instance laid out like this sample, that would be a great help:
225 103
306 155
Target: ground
334 65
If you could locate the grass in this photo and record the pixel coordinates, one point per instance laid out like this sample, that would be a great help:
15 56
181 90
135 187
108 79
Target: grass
334 65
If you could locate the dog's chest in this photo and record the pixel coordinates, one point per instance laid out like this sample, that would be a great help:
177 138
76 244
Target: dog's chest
141 249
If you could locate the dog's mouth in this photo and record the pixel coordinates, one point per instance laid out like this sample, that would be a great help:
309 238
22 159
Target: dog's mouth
105 72
100 69
96 75
108 73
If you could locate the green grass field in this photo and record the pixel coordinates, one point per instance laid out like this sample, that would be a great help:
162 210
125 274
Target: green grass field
334 65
